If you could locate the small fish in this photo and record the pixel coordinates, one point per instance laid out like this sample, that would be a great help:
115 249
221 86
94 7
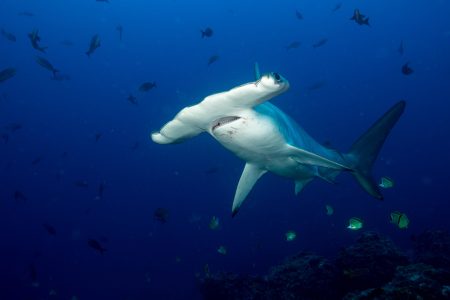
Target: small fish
359 18
208 32
98 136
13 127
49 228
46 65
386 183
94 244
147 86
101 190
19 196
161 215
119 28
132 99
222 250
400 220
213 59
320 43
8 35
52 293
293 45
37 160
94 44
330 210
81 183
7 74
35 39
298 15
290 235
67 43
316 86
60 77
214 223
401 48
33 275
5 137
26 14
355 224
406 69
337 7
135 146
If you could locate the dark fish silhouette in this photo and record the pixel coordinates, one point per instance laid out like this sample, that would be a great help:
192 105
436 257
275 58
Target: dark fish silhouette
293 45
98 136
147 86
5 137
337 7
37 160
33 275
320 43
49 228
406 69
213 59
35 39
359 18
13 127
26 14
46 65
401 49
7 74
315 86
208 32
67 43
132 99
135 146
19 196
95 43
101 190
81 183
161 215
8 35
298 15
60 77
94 244
119 28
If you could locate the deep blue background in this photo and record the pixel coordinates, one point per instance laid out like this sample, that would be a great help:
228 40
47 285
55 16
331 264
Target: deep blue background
359 65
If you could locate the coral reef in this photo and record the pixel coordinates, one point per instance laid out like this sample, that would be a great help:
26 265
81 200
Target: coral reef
372 268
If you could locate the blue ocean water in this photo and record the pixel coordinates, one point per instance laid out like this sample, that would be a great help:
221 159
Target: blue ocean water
52 167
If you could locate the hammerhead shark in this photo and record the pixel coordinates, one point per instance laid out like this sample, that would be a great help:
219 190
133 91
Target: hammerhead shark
246 123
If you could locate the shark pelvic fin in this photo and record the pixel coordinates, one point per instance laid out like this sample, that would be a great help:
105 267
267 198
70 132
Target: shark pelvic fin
249 177
300 184
308 158
365 150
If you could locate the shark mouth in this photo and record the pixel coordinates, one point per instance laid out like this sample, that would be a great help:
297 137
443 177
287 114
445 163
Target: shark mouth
223 121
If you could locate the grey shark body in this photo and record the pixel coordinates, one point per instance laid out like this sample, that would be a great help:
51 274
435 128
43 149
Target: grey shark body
267 139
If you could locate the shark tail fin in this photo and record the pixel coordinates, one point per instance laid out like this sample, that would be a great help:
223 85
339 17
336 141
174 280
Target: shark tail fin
364 151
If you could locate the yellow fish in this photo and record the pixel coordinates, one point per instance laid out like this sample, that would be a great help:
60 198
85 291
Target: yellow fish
399 219
222 250
386 183
290 235
355 224
330 210
214 223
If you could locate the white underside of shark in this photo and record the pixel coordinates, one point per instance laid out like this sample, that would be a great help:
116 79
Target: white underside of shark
259 133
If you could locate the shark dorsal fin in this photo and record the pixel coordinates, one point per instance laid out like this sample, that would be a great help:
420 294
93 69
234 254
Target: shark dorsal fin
249 177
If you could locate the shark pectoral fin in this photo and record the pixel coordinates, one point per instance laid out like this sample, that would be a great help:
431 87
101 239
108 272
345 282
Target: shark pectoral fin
249 176
300 184
308 158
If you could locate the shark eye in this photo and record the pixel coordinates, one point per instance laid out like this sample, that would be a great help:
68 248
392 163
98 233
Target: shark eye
277 77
